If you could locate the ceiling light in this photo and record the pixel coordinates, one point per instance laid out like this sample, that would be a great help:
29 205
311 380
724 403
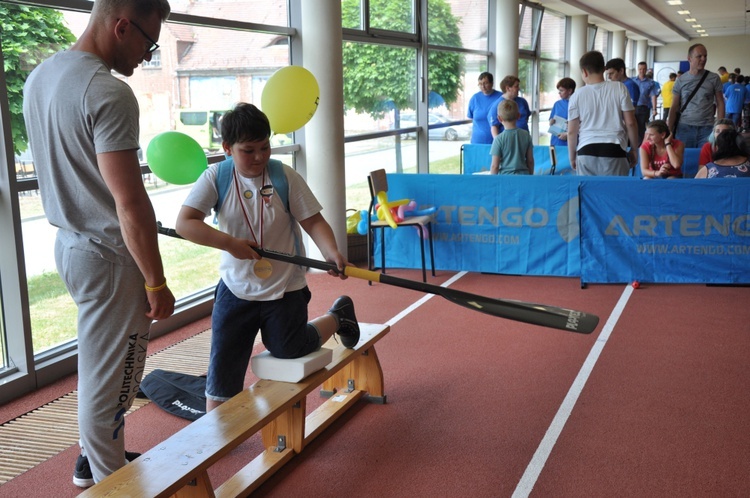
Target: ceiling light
700 30
697 26
704 34
690 19
674 2
683 12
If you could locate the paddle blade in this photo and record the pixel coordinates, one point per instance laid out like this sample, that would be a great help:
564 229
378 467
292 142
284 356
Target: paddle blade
535 314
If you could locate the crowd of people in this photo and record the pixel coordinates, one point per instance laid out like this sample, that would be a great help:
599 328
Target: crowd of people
610 124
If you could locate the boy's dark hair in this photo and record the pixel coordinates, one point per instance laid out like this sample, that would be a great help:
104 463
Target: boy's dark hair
592 62
487 75
729 143
567 83
244 123
617 64
672 76
741 79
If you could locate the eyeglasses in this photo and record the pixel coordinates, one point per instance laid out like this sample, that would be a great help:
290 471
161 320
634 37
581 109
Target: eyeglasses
153 46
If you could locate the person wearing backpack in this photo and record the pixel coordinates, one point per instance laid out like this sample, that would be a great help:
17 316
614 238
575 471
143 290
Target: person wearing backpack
260 202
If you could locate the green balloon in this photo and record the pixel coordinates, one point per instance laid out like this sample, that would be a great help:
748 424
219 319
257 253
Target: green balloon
176 158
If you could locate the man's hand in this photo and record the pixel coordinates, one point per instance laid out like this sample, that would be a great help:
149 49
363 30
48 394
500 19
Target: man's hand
161 303
632 158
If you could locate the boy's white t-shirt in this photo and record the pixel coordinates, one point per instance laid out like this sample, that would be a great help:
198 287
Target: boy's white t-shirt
599 108
279 231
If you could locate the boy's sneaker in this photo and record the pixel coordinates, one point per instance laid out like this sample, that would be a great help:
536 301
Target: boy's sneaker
82 476
348 331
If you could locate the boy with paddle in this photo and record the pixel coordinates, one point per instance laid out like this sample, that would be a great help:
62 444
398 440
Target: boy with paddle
260 202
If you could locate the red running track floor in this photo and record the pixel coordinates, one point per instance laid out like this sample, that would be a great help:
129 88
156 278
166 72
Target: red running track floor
663 410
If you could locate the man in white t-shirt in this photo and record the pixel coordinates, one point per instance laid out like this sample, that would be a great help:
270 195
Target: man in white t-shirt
601 120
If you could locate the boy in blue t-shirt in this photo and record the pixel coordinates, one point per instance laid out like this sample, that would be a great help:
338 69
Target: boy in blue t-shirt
735 99
565 88
512 151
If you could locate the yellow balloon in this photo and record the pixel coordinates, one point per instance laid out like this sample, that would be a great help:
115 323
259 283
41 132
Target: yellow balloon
290 98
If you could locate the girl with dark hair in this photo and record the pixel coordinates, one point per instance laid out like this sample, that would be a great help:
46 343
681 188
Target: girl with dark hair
730 158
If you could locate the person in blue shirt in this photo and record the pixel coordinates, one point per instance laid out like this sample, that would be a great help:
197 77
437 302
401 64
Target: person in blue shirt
615 71
510 86
645 109
731 81
565 87
735 96
479 106
746 108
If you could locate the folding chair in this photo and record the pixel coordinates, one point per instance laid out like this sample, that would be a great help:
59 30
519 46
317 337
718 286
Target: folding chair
379 183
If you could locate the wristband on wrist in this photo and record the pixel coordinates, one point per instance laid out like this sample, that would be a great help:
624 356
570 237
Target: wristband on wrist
157 288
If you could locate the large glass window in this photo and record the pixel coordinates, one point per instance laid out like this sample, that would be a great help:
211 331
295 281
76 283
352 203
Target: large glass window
552 38
405 110
209 81
393 15
197 74
457 24
528 36
383 78
601 42
552 67
267 12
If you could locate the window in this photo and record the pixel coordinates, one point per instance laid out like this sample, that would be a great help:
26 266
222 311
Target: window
207 69
601 42
466 25
383 75
155 61
531 17
392 15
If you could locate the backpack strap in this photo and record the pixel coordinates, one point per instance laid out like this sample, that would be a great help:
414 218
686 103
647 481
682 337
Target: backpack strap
275 173
279 181
223 181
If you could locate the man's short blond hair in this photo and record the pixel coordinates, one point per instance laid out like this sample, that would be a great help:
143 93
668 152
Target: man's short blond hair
141 9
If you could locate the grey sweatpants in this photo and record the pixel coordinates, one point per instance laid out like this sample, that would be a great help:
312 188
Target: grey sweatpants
602 166
112 338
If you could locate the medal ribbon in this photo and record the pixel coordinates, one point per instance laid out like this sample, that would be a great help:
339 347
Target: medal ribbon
244 207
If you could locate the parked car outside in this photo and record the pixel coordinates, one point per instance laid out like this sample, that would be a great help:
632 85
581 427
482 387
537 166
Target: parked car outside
450 133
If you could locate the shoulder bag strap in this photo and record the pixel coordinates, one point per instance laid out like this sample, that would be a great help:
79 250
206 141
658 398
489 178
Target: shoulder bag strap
695 90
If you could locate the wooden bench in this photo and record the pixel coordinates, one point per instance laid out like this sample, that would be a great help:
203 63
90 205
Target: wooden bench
178 466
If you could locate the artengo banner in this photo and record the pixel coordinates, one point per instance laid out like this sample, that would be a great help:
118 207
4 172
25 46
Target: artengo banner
680 231
495 224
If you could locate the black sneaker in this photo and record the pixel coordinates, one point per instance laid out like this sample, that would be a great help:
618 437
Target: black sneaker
348 331
82 476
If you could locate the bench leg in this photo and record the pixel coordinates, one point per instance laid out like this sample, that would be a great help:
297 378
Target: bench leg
366 374
201 489
291 425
